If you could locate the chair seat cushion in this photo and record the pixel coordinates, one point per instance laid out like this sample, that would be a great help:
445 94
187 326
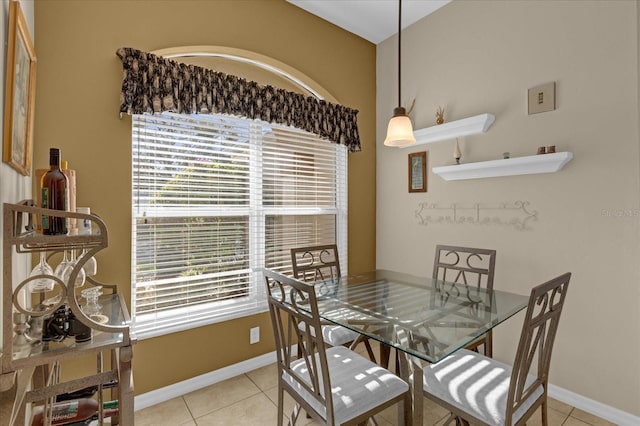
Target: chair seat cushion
335 335
477 385
357 384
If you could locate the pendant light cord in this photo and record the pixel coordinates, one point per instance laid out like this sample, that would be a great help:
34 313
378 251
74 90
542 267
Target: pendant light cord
399 50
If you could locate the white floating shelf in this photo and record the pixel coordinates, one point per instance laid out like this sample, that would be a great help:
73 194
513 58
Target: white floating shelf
454 129
543 163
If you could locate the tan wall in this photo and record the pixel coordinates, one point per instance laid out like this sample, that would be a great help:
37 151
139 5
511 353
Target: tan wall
79 79
482 56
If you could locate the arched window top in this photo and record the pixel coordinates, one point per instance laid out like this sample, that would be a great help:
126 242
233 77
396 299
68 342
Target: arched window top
249 65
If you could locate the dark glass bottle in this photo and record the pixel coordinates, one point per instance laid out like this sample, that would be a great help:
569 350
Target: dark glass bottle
67 412
55 195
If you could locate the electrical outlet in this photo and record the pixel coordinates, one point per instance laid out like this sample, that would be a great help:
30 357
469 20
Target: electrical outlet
254 335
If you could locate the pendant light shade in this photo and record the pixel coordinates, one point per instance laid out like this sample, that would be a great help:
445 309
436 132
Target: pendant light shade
399 130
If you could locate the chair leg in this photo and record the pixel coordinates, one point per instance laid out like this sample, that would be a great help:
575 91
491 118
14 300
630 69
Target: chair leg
461 422
280 406
294 415
404 411
372 356
543 410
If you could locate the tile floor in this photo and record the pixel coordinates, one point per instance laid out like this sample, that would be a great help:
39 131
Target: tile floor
251 398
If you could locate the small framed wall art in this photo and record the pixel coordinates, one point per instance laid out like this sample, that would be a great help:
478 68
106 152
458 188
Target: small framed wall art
418 172
19 93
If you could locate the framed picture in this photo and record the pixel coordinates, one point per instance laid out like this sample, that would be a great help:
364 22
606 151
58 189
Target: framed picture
19 93
418 172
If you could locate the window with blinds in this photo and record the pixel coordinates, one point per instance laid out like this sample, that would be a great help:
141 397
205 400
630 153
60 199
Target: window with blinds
215 199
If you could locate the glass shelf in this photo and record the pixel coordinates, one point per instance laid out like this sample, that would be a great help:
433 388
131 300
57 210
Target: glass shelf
112 308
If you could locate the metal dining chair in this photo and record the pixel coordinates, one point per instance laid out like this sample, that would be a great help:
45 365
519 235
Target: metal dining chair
481 390
473 267
315 264
469 266
335 385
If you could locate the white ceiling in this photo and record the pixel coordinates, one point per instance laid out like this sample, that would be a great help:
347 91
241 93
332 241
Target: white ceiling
373 20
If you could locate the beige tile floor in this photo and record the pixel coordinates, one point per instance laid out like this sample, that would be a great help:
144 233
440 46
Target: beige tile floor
250 399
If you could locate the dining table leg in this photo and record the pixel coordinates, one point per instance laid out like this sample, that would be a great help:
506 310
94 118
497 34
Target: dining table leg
411 371
385 352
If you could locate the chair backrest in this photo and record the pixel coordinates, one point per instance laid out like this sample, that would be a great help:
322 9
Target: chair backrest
296 321
465 265
316 263
538 334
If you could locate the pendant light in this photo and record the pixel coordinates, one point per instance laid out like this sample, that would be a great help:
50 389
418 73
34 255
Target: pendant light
399 130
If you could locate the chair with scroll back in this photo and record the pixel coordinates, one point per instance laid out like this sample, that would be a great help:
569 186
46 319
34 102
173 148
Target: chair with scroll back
472 267
335 385
468 266
481 390
315 264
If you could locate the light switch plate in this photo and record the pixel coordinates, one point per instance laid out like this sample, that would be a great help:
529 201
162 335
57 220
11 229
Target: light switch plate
542 98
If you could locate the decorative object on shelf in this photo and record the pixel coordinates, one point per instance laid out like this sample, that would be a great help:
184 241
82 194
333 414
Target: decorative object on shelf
40 274
453 129
418 172
549 163
92 308
506 155
440 115
551 149
62 324
54 189
71 179
400 130
67 272
542 150
517 214
456 153
91 265
21 341
542 98
20 90
84 227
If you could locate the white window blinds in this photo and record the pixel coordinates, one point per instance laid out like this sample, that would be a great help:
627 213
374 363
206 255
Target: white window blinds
217 198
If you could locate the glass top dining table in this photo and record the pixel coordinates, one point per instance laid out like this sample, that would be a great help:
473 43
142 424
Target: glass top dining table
423 317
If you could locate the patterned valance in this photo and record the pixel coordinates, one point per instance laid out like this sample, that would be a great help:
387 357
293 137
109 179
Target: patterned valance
154 84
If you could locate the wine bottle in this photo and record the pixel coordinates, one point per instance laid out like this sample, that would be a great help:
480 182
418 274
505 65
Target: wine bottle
67 412
54 189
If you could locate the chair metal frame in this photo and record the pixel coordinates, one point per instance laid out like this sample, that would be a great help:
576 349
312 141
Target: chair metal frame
314 264
538 335
293 303
469 266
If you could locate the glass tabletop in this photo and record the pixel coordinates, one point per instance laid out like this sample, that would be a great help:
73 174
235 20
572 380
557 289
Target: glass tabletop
435 318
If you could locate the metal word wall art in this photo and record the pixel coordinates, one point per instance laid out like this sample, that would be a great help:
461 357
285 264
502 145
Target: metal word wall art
517 214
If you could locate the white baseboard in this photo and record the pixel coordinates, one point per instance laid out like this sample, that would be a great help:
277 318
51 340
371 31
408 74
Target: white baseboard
181 388
596 408
166 393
